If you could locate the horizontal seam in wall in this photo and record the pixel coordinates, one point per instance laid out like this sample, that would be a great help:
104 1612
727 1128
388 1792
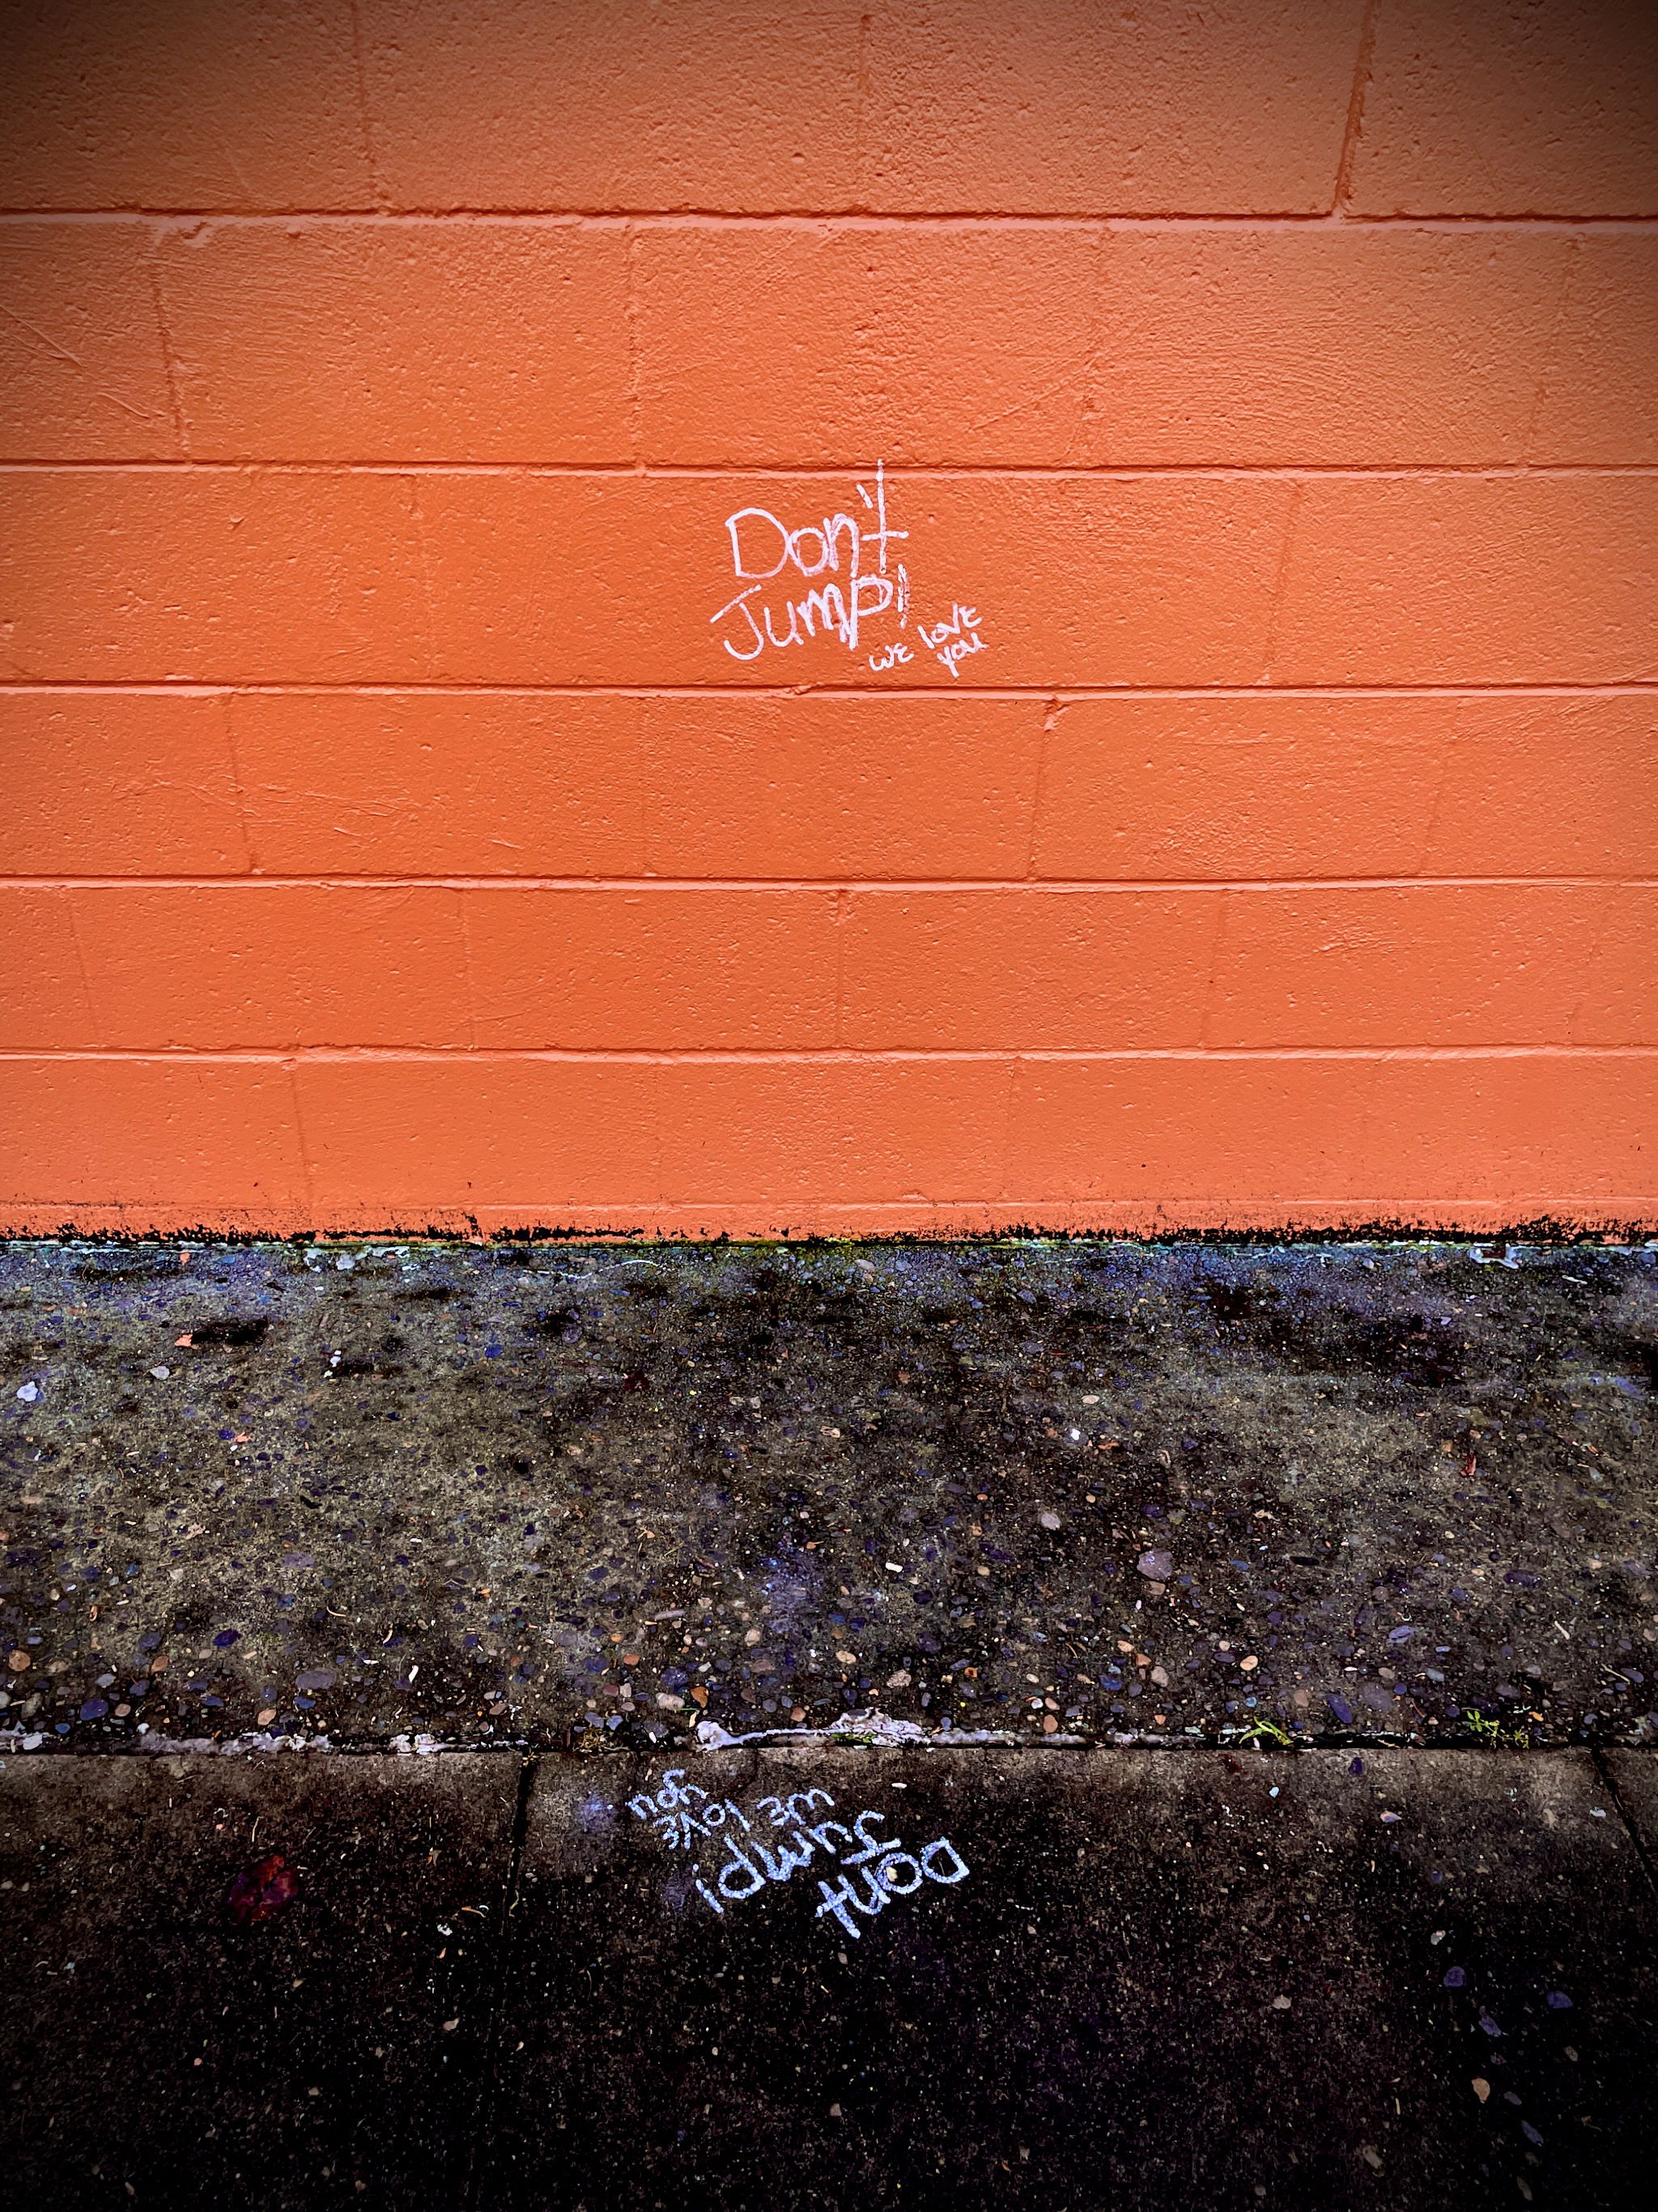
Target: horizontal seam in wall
1064 886
1075 694
762 1220
806 219
464 1055
748 471
610 1211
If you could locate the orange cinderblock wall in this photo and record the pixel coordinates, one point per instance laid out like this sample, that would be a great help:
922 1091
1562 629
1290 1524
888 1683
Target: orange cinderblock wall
1213 449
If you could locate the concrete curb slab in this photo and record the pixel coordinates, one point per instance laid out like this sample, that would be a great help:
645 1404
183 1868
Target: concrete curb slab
793 1976
1391 1978
266 1982
550 1495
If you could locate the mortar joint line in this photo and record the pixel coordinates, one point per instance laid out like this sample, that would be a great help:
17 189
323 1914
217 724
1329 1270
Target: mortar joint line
510 1894
1297 472
296 1054
1603 1768
377 686
690 218
812 886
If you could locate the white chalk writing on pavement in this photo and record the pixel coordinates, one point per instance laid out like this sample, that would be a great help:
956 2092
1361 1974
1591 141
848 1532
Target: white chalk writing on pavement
786 1836
851 582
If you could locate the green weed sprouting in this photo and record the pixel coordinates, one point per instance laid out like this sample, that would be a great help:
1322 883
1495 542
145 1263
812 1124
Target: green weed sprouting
1486 1728
1263 1731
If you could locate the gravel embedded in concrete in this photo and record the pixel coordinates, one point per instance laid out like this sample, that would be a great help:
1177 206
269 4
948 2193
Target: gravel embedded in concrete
560 1494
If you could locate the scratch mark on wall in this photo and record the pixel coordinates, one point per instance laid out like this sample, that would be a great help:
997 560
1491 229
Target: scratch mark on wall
234 166
1591 967
427 596
1355 125
469 973
1086 448
50 343
1050 717
1431 829
635 365
842 923
1281 584
301 1140
860 185
644 787
1569 264
369 152
1218 937
64 353
1011 1075
169 359
249 848
81 963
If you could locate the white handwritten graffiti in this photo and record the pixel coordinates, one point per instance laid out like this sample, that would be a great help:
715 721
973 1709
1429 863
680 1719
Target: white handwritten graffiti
880 1862
952 641
683 1813
859 585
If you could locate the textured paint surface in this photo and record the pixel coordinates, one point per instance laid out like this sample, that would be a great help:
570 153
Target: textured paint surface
1253 823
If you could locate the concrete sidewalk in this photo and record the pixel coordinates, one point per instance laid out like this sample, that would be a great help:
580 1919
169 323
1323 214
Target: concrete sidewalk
1062 1726
802 1978
542 1495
